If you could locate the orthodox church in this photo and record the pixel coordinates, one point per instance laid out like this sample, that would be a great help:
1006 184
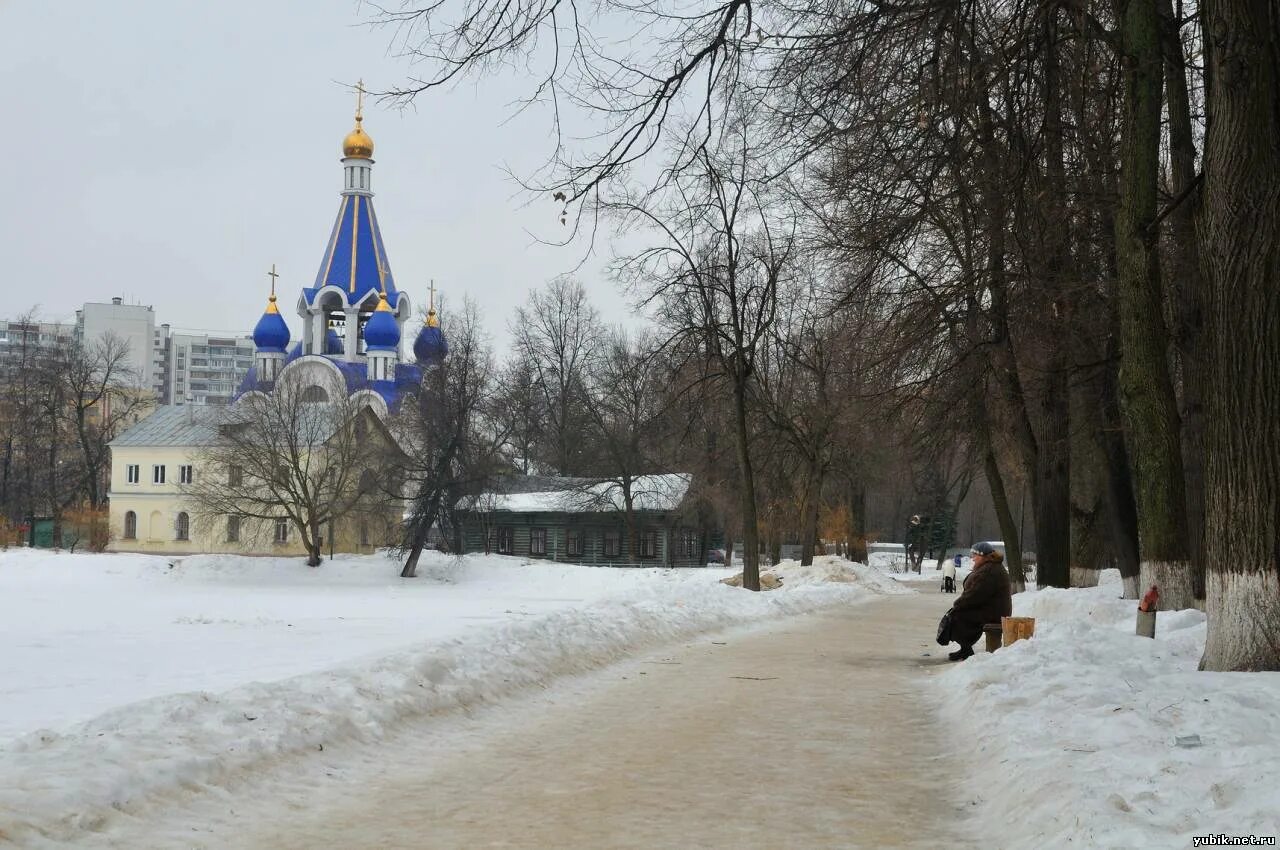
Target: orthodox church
354 321
353 315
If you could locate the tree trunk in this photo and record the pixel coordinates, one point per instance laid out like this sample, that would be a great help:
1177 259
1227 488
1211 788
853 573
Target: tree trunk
1088 462
415 552
1147 397
1186 285
809 528
312 541
1008 528
1240 246
1052 492
857 550
746 489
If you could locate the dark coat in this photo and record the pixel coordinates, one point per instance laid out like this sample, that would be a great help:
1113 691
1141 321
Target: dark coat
987 597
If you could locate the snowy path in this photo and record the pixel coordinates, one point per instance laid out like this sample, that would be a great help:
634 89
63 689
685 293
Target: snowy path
841 751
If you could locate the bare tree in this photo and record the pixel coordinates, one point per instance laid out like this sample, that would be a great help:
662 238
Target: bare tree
555 334
449 446
623 403
307 453
714 276
103 398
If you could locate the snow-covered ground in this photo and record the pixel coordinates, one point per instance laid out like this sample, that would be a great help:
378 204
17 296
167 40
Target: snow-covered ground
1088 736
125 676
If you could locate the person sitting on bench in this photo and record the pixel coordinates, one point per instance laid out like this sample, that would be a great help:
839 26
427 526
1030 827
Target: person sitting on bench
987 596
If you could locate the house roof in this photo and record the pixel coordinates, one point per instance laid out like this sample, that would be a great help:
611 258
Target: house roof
172 425
583 495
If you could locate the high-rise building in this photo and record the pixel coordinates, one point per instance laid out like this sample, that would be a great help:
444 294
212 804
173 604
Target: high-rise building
135 324
204 368
30 337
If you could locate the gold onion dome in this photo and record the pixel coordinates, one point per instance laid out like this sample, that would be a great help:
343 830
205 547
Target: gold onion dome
357 144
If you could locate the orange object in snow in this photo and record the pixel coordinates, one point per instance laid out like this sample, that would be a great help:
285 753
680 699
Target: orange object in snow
1149 601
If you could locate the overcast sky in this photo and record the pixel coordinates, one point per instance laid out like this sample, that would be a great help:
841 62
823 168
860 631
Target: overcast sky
169 151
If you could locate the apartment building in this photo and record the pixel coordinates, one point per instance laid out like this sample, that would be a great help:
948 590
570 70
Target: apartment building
133 323
205 368
19 338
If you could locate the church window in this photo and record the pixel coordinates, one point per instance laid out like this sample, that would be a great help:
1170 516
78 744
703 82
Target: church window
157 474
364 533
368 481
612 544
506 540
130 525
132 474
184 474
649 544
235 476
315 393
537 541
184 526
573 543
282 530
233 529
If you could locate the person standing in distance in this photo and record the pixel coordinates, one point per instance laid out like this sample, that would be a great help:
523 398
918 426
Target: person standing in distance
949 575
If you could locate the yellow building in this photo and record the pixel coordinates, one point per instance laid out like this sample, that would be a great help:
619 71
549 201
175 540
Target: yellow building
153 468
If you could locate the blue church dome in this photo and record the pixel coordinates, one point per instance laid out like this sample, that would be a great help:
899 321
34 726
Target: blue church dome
382 332
271 333
430 346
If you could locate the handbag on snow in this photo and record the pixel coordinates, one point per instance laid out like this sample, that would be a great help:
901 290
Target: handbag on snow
944 629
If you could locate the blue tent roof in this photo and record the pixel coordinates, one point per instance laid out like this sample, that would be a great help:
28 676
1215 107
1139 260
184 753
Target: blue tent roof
355 259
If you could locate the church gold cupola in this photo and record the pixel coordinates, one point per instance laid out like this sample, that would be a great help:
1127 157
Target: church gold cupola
355 275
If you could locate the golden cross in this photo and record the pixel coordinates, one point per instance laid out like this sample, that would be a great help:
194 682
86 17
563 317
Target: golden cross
433 294
272 274
360 99
382 276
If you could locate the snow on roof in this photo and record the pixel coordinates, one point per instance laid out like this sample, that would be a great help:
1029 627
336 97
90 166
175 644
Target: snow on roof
649 493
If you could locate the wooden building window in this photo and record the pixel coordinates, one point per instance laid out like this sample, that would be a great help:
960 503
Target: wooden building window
233 529
506 540
235 476
612 544
131 524
184 526
648 544
538 541
574 543
282 530
689 546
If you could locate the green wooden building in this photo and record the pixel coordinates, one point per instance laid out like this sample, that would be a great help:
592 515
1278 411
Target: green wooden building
585 521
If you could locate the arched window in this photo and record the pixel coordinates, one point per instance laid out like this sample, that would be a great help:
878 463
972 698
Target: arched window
315 393
130 525
184 526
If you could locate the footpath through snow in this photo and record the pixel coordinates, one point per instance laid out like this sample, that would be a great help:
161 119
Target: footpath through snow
548 621
1088 736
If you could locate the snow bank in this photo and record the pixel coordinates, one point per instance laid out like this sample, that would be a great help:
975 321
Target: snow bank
1072 736
58 783
828 570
